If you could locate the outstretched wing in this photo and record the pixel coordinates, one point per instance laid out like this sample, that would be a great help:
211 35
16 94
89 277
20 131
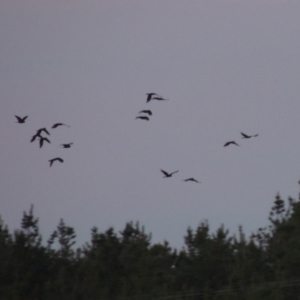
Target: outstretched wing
54 159
59 124
142 118
33 138
42 139
56 125
149 112
174 172
45 130
231 142
149 97
193 179
41 142
245 135
165 173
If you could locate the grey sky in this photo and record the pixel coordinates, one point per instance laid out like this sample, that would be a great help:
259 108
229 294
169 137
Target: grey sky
226 66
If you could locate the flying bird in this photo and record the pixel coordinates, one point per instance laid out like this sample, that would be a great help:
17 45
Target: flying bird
149 112
142 118
231 142
54 159
59 124
245 136
67 145
39 131
191 179
21 120
42 139
168 174
149 96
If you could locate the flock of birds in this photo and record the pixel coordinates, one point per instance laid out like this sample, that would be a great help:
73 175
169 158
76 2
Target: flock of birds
42 139
146 113
150 96
244 136
154 96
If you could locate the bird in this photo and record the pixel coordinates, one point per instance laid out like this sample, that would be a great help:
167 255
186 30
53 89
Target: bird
168 174
191 179
67 145
230 142
159 99
142 118
245 136
59 124
149 112
54 159
149 96
21 120
42 139
39 131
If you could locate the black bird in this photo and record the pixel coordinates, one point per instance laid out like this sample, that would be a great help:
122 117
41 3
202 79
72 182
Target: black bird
21 120
142 117
168 174
150 96
54 159
149 112
59 124
159 99
191 179
231 142
245 136
42 139
39 131
67 145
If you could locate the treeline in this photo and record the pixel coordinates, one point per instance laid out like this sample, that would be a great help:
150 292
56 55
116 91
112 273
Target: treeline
125 265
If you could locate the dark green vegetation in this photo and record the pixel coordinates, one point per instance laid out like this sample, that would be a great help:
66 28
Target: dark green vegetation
126 265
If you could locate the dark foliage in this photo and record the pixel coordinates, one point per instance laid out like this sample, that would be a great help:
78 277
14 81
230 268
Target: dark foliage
125 265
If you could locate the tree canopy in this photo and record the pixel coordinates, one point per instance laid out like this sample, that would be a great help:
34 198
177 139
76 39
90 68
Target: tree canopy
126 265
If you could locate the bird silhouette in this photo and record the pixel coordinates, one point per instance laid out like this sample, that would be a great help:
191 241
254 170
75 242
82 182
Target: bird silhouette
54 159
21 120
39 131
59 124
149 96
168 174
67 145
191 179
42 139
245 136
230 142
142 118
149 112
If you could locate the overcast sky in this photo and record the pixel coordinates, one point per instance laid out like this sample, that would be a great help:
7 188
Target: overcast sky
226 66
